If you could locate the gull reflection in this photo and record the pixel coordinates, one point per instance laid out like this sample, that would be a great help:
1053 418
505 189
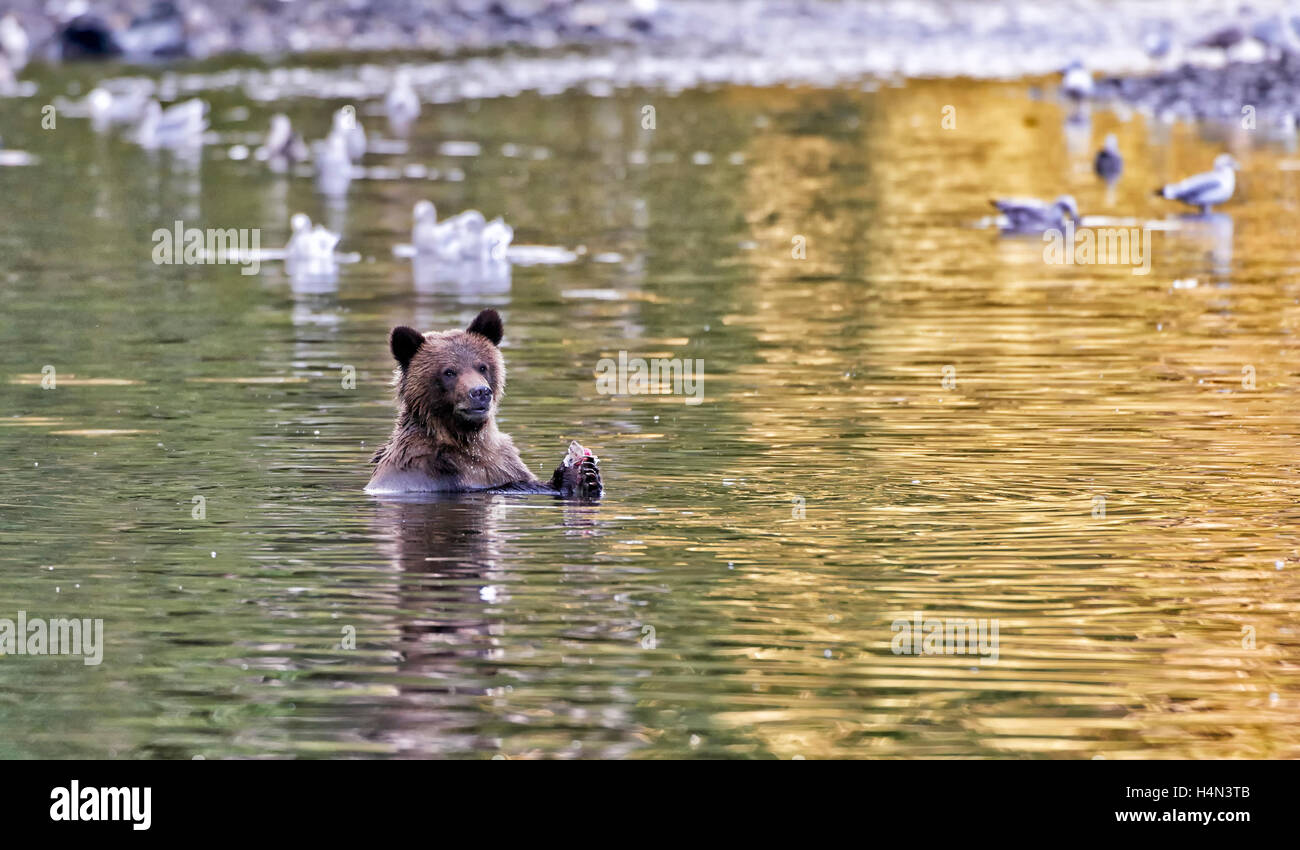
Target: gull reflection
1078 131
1211 234
471 277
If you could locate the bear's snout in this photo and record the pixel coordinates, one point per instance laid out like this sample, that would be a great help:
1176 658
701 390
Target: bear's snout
475 406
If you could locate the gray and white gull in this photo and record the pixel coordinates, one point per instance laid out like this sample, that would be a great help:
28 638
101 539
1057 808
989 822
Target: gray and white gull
1205 190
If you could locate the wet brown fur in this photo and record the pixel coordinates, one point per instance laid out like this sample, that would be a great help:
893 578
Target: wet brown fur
432 446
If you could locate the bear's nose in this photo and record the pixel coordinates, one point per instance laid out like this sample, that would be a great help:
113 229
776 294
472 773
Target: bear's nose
481 395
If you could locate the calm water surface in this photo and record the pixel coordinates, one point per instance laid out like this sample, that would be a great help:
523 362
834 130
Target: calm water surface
766 539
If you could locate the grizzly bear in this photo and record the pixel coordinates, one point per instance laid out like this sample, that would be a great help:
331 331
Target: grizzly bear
446 439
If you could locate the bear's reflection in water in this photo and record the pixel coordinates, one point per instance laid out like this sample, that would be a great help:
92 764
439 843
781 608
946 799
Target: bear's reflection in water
452 608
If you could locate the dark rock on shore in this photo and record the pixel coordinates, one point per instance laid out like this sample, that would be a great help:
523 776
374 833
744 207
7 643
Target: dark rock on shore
152 29
87 37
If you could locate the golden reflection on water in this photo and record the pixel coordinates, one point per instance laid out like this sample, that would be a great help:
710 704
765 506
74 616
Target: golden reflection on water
1163 623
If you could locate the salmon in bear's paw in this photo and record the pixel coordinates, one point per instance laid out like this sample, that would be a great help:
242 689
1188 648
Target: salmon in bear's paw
446 439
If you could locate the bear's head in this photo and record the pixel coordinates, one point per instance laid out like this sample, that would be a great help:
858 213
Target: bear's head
451 380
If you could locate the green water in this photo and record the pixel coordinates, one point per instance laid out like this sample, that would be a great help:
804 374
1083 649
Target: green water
733 594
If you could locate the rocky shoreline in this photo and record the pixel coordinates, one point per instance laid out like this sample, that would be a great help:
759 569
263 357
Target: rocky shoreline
1008 38
1270 88
150 29
1192 60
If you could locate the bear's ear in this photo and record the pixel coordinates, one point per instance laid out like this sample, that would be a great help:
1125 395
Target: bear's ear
405 342
488 324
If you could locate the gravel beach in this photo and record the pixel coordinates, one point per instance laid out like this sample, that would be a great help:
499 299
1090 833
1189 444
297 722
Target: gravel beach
927 38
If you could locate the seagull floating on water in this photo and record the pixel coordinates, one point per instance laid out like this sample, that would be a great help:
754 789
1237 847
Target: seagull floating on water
282 146
469 233
401 103
176 126
310 246
1109 163
1076 81
428 235
459 237
107 109
1207 189
353 134
1028 215
467 236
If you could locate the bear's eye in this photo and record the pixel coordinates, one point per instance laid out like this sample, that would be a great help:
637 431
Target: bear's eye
449 373
482 367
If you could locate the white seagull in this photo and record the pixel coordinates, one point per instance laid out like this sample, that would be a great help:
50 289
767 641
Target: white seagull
469 233
430 237
354 135
401 103
1207 189
310 248
176 126
108 109
1076 81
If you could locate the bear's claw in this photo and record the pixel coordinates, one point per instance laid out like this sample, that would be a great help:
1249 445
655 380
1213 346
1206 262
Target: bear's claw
578 475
